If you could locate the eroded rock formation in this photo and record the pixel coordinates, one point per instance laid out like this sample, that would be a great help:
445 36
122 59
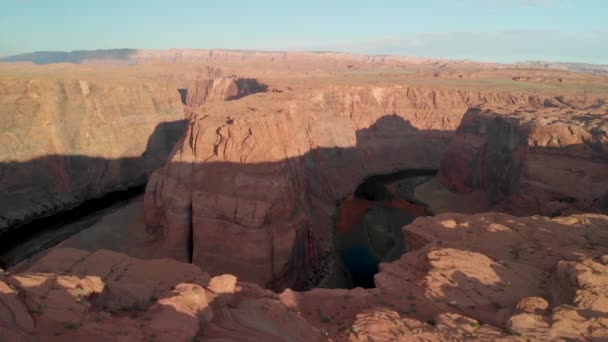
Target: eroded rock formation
480 277
213 87
259 179
250 189
253 185
73 294
548 159
63 140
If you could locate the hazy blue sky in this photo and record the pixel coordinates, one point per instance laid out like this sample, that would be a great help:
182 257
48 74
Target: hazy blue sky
499 30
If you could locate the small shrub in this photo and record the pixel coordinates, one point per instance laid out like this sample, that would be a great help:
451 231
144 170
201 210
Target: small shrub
38 310
325 319
70 325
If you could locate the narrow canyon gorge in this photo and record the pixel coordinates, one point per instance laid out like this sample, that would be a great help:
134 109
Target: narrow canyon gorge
228 195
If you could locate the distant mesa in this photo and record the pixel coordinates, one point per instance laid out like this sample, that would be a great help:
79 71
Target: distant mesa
138 56
75 57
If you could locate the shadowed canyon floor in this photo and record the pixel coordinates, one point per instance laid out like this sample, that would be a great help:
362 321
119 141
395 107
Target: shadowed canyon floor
303 197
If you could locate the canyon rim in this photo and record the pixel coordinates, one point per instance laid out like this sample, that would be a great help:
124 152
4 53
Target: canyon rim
300 196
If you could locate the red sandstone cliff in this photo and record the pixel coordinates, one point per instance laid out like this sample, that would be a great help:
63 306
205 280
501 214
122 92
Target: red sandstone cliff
251 188
547 160
65 140
253 184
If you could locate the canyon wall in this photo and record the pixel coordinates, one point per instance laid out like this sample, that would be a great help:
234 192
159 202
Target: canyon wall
547 160
252 187
65 140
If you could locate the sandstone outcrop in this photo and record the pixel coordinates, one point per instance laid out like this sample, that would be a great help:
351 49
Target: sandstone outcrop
478 277
252 184
72 294
549 159
66 140
258 177
201 91
246 201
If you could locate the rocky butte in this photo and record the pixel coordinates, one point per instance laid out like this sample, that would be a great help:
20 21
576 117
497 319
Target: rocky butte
302 197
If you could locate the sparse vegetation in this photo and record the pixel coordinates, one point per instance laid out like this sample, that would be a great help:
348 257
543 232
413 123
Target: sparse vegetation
70 325
322 317
38 310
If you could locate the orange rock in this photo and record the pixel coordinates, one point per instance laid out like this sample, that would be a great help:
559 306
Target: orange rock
548 160
72 136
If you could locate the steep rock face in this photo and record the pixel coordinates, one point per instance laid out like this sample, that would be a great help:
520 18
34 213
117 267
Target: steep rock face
545 160
63 141
490 157
250 189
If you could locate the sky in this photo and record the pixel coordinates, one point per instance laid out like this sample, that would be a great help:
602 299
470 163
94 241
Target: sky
483 30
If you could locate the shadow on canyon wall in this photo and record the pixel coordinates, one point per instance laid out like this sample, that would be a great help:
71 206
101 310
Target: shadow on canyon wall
301 193
46 191
312 184
183 95
75 57
248 86
205 227
310 179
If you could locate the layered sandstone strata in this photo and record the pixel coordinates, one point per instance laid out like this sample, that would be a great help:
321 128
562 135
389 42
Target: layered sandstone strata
551 158
66 140
251 188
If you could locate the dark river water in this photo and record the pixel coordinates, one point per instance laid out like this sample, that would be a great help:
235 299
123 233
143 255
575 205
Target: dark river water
369 226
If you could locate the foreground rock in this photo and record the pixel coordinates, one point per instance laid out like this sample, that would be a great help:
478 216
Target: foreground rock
64 140
106 296
477 277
